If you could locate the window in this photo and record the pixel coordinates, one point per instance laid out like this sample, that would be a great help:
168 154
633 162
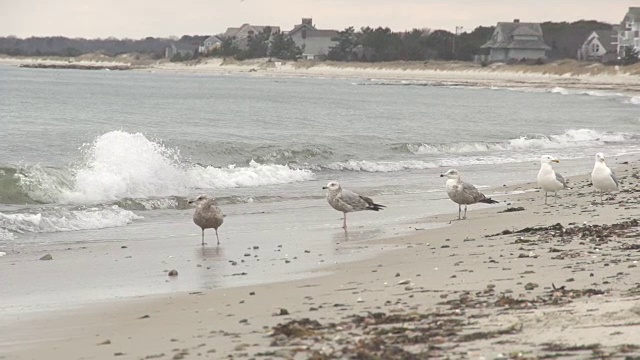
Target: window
628 25
595 48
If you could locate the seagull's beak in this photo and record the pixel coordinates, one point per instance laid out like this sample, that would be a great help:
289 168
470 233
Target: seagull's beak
191 201
324 188
555 161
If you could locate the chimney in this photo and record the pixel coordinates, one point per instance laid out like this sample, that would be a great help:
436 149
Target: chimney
307 21
516 20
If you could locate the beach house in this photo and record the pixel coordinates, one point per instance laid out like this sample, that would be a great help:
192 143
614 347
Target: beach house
516 41
629 31
315 43
600 45
209 44
240 35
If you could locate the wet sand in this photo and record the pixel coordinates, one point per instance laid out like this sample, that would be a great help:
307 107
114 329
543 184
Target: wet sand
511 284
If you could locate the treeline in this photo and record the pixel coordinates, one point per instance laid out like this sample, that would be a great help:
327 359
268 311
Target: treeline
367 44
63 46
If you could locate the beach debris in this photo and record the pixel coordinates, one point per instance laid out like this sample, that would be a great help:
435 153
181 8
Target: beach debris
2 253
252 293
173 272
512 209
144 316
47 257
106 342
281 312
530 286
119 353
404 282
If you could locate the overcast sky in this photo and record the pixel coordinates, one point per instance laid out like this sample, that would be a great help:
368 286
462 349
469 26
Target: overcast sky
158 18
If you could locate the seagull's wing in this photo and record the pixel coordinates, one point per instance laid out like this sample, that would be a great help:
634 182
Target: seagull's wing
561 180
358 202
470 191
614 178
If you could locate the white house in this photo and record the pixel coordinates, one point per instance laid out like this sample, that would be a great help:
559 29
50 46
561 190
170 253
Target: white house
516 41
315 43
241 34
600 45
629 33
209 44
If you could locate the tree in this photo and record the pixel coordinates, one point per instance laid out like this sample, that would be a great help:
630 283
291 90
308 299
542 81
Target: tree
283 47
346 44
257 45
631 56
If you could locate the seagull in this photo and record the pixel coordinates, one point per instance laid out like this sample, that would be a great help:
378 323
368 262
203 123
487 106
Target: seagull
463 193
602 177
548 179
207 215
348 201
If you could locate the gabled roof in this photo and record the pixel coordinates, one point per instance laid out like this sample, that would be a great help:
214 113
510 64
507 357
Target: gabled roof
503 36
608 38
633 14
213 38
313 32
232 31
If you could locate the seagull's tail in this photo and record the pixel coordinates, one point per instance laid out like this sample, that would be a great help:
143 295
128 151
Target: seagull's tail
487 200
376 207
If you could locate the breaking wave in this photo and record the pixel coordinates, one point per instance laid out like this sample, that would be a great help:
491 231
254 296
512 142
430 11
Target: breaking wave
380 166
571 138
121 165
62 219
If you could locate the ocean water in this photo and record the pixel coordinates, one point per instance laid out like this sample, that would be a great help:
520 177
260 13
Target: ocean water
106 159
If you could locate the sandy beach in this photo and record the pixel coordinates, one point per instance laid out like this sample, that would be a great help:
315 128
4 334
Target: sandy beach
517 280
562 73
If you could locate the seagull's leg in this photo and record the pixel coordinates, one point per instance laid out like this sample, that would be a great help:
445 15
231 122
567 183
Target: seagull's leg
344 222
459 210
203 243
465 212
545 197
601 201
555 194
217 238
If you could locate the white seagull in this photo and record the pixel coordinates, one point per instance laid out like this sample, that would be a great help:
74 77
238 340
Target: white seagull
207 214
548 179
463 193
602 177
347 201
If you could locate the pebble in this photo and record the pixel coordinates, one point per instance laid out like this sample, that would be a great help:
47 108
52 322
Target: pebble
173 272
404 282
47 257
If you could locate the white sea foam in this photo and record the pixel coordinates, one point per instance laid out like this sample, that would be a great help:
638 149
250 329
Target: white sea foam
120 165
61 219
569 139
6 235
635 100
380 166
560 90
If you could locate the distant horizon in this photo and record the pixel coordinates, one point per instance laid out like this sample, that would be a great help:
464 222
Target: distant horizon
138 19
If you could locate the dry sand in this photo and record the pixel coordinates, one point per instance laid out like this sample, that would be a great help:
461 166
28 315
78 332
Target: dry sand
564 73
457 291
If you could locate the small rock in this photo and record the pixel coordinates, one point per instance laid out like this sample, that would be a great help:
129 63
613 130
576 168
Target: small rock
47 257
173 272
252 293
530 286
404 282
106 342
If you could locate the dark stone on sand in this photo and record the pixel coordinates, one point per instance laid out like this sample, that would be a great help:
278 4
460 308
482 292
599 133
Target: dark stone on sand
123 247
47 257
530 286
173 272
106 342
252 293
282 312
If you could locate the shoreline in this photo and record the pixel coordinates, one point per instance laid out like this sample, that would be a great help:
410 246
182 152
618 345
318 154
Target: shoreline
458 272
562 73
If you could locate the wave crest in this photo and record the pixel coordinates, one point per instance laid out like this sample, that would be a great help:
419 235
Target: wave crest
380 166
62 219
569 139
